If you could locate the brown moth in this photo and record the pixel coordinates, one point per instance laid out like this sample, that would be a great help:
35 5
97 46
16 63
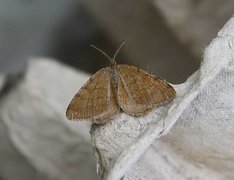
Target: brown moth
118 87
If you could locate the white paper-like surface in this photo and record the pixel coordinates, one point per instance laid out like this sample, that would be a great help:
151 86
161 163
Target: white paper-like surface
33 115
198 138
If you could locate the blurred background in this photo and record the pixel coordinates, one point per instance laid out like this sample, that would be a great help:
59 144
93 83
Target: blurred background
165 37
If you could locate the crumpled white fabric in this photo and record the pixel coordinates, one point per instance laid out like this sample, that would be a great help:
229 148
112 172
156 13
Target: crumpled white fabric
197 140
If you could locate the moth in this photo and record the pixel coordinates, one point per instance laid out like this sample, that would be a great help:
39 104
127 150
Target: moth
118 88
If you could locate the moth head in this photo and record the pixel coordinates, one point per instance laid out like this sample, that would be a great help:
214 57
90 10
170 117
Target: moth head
112 60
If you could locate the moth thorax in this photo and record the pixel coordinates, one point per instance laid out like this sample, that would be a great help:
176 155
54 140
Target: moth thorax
114 77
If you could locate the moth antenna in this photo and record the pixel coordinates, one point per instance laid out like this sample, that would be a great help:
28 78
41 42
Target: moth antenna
101 51
117 51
